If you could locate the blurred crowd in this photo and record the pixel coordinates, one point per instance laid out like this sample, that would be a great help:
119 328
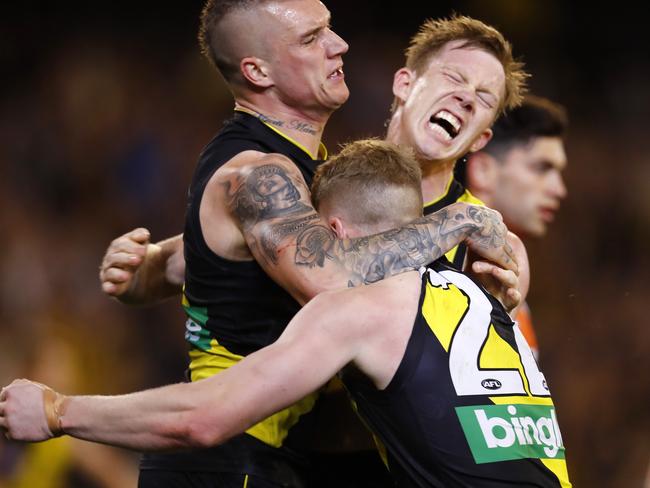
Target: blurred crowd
99 137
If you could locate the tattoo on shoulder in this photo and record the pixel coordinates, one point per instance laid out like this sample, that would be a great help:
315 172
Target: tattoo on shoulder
268 192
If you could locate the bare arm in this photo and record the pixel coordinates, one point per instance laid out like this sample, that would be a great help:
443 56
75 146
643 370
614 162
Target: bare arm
316 344
136 271
270 202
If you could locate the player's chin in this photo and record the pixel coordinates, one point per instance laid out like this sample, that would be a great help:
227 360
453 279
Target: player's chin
336 94
536 228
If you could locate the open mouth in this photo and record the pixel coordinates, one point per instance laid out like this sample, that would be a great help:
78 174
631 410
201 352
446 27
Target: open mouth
446 124
337 73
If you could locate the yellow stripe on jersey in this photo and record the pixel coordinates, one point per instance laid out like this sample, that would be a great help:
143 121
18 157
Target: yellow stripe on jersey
498 354
443 309
559 469
272 430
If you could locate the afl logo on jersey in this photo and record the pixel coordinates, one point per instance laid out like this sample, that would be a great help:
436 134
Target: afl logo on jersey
491 384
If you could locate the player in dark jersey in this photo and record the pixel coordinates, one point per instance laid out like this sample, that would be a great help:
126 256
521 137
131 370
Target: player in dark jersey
224 321
519 173
436 367
254 247
458 74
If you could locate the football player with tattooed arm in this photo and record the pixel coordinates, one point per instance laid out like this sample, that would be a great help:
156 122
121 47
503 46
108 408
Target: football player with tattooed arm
247 201
434 363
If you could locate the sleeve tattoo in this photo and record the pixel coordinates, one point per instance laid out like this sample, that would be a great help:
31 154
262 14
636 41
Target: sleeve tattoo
268 203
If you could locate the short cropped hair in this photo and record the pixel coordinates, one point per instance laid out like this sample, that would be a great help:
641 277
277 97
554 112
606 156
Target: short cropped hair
535 117
214 11
433 35
372 181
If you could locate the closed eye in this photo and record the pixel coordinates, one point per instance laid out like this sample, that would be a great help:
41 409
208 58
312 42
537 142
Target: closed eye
455 77
487 99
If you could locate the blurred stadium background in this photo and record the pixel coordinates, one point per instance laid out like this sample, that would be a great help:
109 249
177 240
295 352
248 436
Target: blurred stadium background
105 106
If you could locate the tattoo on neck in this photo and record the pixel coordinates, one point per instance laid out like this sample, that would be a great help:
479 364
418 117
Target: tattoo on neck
302 127
298 125
268 120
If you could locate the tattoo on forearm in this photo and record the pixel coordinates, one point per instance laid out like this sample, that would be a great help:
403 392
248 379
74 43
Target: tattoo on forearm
373 258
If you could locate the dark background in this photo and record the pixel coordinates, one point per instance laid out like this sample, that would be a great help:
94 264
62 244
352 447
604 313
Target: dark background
105 106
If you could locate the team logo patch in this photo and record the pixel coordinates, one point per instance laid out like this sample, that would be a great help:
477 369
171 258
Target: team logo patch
491 384
506 432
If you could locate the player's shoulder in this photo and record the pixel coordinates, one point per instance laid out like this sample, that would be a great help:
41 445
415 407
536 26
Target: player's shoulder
248 160
375 302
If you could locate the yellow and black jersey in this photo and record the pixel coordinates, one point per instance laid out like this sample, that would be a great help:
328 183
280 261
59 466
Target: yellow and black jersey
233 309
468 406
455 192
234 302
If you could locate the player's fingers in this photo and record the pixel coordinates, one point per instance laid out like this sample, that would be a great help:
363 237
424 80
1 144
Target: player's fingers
139 234
506 277
481 267
513 297
511 258
514 294
137 237
109 288
122 259
114 289
116 275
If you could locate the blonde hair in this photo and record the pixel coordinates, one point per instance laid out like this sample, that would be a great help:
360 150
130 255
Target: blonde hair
433 35
373 182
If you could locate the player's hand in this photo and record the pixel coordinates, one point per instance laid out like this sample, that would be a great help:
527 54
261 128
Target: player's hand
489 239
508 287
30 411
122 260
503 284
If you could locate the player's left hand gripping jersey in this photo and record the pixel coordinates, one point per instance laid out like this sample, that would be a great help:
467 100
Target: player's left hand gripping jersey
468 406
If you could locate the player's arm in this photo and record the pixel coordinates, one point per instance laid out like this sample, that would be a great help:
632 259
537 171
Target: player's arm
136 271
270 202
319 341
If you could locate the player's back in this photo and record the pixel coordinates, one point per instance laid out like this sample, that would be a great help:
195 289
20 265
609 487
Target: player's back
467 405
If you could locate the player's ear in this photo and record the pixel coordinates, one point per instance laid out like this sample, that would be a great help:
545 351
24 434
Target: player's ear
482 140
256 71
481 172
403 83
337 225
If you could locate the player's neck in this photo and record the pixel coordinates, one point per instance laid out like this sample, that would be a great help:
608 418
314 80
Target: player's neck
305 130
435 178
